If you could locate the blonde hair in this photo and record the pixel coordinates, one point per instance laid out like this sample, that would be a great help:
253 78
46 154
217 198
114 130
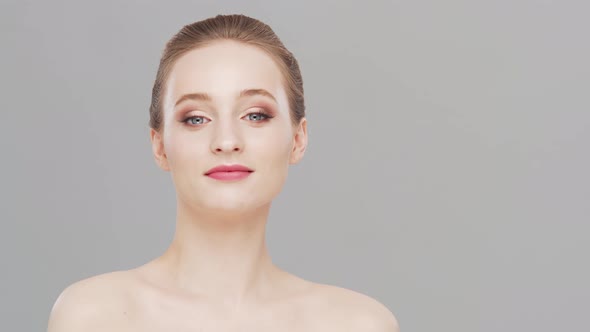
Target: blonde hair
238 28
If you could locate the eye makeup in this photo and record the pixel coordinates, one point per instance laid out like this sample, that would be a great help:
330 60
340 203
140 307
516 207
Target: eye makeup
261 112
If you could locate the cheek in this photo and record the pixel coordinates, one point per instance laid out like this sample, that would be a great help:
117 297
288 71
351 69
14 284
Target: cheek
181 150
276 154
277 166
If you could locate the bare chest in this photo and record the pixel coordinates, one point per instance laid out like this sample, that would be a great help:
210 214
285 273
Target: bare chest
207 318
219 324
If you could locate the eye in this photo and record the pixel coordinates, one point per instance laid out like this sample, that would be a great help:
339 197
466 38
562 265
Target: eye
197 120
259 116
194 120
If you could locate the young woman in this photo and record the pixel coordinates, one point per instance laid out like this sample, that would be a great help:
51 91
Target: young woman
227 119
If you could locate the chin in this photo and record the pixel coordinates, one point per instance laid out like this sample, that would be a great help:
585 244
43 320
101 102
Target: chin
230 211
232 203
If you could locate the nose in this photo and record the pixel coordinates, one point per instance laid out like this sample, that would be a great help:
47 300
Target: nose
227 138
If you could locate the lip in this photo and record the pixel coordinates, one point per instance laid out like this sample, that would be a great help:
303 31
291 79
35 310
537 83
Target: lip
229 176
229 169
229 172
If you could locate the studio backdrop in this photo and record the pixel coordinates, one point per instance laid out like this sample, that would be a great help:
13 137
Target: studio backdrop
446 173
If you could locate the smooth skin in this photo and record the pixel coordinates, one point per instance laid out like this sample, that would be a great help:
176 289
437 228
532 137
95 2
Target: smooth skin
217 274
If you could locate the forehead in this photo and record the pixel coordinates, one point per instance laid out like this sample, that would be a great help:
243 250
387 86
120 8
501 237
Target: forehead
222 70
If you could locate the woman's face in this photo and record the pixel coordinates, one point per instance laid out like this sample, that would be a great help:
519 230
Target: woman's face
225 104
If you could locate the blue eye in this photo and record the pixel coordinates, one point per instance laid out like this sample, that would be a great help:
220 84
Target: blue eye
198 120
190 121
260 116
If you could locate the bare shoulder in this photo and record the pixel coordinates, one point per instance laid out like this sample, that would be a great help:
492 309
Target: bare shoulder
362 312
85 304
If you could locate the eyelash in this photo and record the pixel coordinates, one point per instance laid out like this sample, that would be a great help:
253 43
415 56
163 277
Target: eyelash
266 118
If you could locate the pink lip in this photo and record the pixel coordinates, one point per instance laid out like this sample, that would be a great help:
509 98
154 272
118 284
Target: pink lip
229 172
229 175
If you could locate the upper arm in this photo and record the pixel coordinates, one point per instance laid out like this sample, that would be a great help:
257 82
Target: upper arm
376 317
381 320
365 313
72 310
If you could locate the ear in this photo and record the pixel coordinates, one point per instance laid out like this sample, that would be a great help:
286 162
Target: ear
158 149
299 142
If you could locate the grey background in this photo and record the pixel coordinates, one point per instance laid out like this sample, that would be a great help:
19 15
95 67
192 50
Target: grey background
446 173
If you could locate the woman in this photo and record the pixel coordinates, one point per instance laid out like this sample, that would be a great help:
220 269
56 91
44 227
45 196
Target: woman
226 119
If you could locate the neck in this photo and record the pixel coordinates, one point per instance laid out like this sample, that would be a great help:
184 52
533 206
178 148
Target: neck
221 257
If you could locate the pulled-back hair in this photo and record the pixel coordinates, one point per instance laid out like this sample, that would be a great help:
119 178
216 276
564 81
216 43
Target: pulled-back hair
238 28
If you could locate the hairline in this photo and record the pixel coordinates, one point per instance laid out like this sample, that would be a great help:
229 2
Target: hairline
167 70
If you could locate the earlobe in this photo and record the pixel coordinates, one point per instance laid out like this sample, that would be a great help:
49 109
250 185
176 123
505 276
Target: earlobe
158 149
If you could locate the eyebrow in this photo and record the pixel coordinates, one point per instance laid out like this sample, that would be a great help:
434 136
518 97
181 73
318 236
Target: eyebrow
201 96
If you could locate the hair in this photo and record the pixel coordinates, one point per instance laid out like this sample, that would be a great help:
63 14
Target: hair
238 28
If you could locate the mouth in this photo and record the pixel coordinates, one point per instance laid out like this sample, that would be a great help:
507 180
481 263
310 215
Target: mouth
229 172
227 176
